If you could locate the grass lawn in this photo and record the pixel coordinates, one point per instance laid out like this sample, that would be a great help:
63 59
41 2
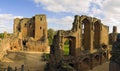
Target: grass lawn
66 49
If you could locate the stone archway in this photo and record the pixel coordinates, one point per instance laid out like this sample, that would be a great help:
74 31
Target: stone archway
87 33
97 31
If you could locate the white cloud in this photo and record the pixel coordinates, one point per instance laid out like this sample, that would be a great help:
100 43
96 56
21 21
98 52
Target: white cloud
107 10
6 22
74 6
111 10
60 23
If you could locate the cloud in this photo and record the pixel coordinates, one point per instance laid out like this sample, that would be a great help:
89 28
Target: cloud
61 23
106 10
111 11
74 6
6 22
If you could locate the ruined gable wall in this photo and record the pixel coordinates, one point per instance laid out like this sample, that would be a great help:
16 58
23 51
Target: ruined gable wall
104 35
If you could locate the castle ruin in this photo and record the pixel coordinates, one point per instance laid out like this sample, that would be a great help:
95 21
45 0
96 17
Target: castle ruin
88 46
30 33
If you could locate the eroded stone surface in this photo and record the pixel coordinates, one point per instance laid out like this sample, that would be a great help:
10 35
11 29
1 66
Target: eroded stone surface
88 46
30 34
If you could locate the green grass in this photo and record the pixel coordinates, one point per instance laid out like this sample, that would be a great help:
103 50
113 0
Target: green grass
66 49
66 52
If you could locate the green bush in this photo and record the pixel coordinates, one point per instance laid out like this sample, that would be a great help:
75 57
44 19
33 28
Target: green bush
1 35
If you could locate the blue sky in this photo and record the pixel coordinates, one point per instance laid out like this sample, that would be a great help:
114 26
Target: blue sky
60 13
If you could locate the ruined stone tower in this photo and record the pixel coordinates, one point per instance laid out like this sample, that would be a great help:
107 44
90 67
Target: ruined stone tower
35 27
32 31
40 27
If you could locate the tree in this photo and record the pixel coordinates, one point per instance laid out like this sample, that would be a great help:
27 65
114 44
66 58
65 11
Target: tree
51 33
1 35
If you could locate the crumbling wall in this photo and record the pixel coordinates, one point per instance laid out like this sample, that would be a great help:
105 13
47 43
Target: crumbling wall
36 46
97 32
15 44
4 47
26 28
23 27
86 38
104 35
35 27
16 26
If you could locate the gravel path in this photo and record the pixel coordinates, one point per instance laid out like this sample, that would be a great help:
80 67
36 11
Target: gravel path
103 67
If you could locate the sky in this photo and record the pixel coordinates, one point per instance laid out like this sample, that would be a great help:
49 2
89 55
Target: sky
60 13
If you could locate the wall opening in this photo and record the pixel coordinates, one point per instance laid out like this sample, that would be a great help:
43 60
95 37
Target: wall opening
25 25
97 35
69 46
66 47
40 28
71 64
41 19
19 29
86 28
24 42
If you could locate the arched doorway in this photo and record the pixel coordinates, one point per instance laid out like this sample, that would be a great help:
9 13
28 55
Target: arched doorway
86 33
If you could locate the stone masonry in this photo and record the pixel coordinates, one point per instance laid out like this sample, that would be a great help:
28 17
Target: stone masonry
88 46
31 33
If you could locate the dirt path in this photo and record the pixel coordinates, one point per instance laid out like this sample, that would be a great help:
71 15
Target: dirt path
31 60
103 67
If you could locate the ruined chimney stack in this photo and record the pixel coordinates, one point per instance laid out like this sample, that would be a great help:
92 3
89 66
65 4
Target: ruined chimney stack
114 34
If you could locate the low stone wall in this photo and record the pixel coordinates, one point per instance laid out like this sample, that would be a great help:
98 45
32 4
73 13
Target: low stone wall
37 46
4 47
